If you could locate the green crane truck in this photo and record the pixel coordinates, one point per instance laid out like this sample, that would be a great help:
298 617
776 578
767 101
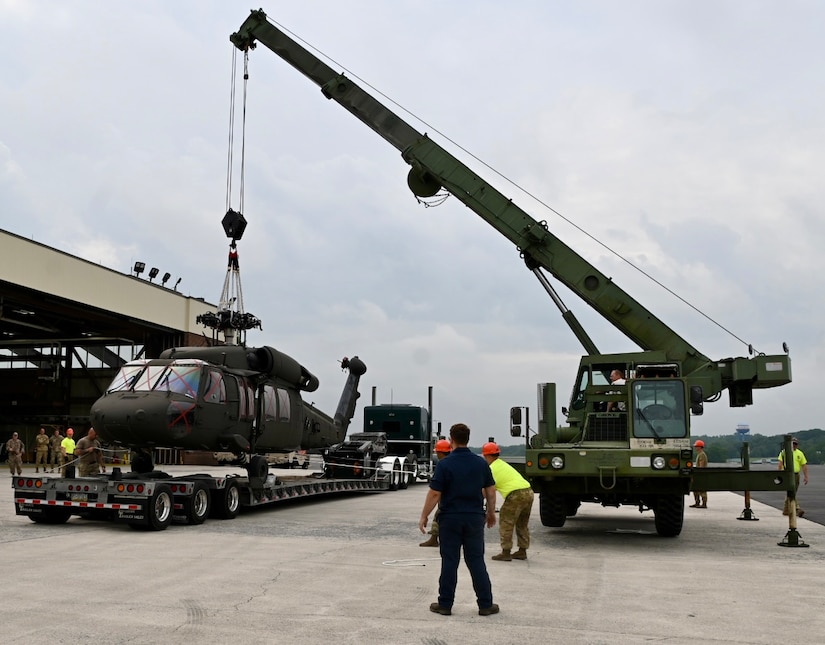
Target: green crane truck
623 444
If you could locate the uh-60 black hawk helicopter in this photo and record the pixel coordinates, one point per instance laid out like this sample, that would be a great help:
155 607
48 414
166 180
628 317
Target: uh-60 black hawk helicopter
227 398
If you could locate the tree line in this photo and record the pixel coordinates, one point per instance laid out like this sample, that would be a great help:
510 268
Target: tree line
727 447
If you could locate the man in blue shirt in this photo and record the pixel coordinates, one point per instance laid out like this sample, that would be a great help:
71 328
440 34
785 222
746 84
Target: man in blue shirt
459 488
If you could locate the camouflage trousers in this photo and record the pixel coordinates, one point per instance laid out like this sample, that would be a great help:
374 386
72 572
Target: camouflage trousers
434 525
87 470
15 464
514 514
41 457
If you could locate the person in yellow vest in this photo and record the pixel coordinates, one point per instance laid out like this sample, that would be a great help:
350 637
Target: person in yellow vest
442 449
514 514
41 450
67 452
799 463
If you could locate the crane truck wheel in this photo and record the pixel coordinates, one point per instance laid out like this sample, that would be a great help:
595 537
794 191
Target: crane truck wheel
669 515
571 506
552 509
226 503
199 504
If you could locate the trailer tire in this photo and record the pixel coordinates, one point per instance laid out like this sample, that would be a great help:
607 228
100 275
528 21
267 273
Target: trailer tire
226 503
161 506
407 472
199 505
395 475
669 515
552 509
52 516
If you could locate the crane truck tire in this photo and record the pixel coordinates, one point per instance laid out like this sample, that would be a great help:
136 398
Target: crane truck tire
669 515
552 509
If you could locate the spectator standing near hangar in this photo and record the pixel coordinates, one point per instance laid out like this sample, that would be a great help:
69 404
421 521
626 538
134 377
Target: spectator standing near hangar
15 450
41 450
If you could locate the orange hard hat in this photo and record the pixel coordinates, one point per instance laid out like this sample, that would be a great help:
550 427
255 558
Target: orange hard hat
699 444
490 448
442 445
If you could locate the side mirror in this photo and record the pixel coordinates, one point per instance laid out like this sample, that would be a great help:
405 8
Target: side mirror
515 422
696 400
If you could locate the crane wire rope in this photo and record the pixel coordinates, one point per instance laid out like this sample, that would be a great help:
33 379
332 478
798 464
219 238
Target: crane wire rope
231 143
518 187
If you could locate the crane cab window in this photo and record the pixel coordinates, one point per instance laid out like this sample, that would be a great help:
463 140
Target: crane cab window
659 408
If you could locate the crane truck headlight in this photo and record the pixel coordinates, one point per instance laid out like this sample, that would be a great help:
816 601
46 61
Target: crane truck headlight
658 462
557 462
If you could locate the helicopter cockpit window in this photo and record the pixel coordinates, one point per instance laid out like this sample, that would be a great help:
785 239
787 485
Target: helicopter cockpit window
182 379
659 408
246 401
148 378
125 377
215 390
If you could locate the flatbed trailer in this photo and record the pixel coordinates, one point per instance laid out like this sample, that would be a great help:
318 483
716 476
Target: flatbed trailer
154 500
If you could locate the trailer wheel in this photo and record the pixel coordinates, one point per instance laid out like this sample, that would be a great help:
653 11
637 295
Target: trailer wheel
395 475
52 516
669 515
199 505
226 503
551 509
161 505
406 475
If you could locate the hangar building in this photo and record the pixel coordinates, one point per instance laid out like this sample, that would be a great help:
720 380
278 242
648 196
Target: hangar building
67 325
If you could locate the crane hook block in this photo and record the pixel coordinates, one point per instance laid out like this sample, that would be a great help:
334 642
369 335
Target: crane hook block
234 224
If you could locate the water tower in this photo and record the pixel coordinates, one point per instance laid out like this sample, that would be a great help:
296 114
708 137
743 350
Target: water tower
742 429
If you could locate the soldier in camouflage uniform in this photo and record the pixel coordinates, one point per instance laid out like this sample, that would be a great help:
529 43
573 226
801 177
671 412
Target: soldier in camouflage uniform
41 450
15 449
442 449
56 454
89 454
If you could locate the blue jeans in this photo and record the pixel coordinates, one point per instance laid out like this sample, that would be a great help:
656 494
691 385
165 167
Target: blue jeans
457 530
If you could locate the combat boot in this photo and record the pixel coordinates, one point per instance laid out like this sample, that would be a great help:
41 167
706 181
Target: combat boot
432 541
521 554
504 556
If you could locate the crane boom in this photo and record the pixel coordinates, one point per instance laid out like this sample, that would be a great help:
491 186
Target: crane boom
433 168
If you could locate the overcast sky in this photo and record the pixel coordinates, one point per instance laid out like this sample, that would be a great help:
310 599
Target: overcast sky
687 136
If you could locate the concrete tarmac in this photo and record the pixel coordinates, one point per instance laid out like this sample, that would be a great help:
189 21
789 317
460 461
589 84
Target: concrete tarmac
349 570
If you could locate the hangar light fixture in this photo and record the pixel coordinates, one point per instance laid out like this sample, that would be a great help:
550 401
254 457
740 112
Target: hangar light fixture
139 267
153 273
165 278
